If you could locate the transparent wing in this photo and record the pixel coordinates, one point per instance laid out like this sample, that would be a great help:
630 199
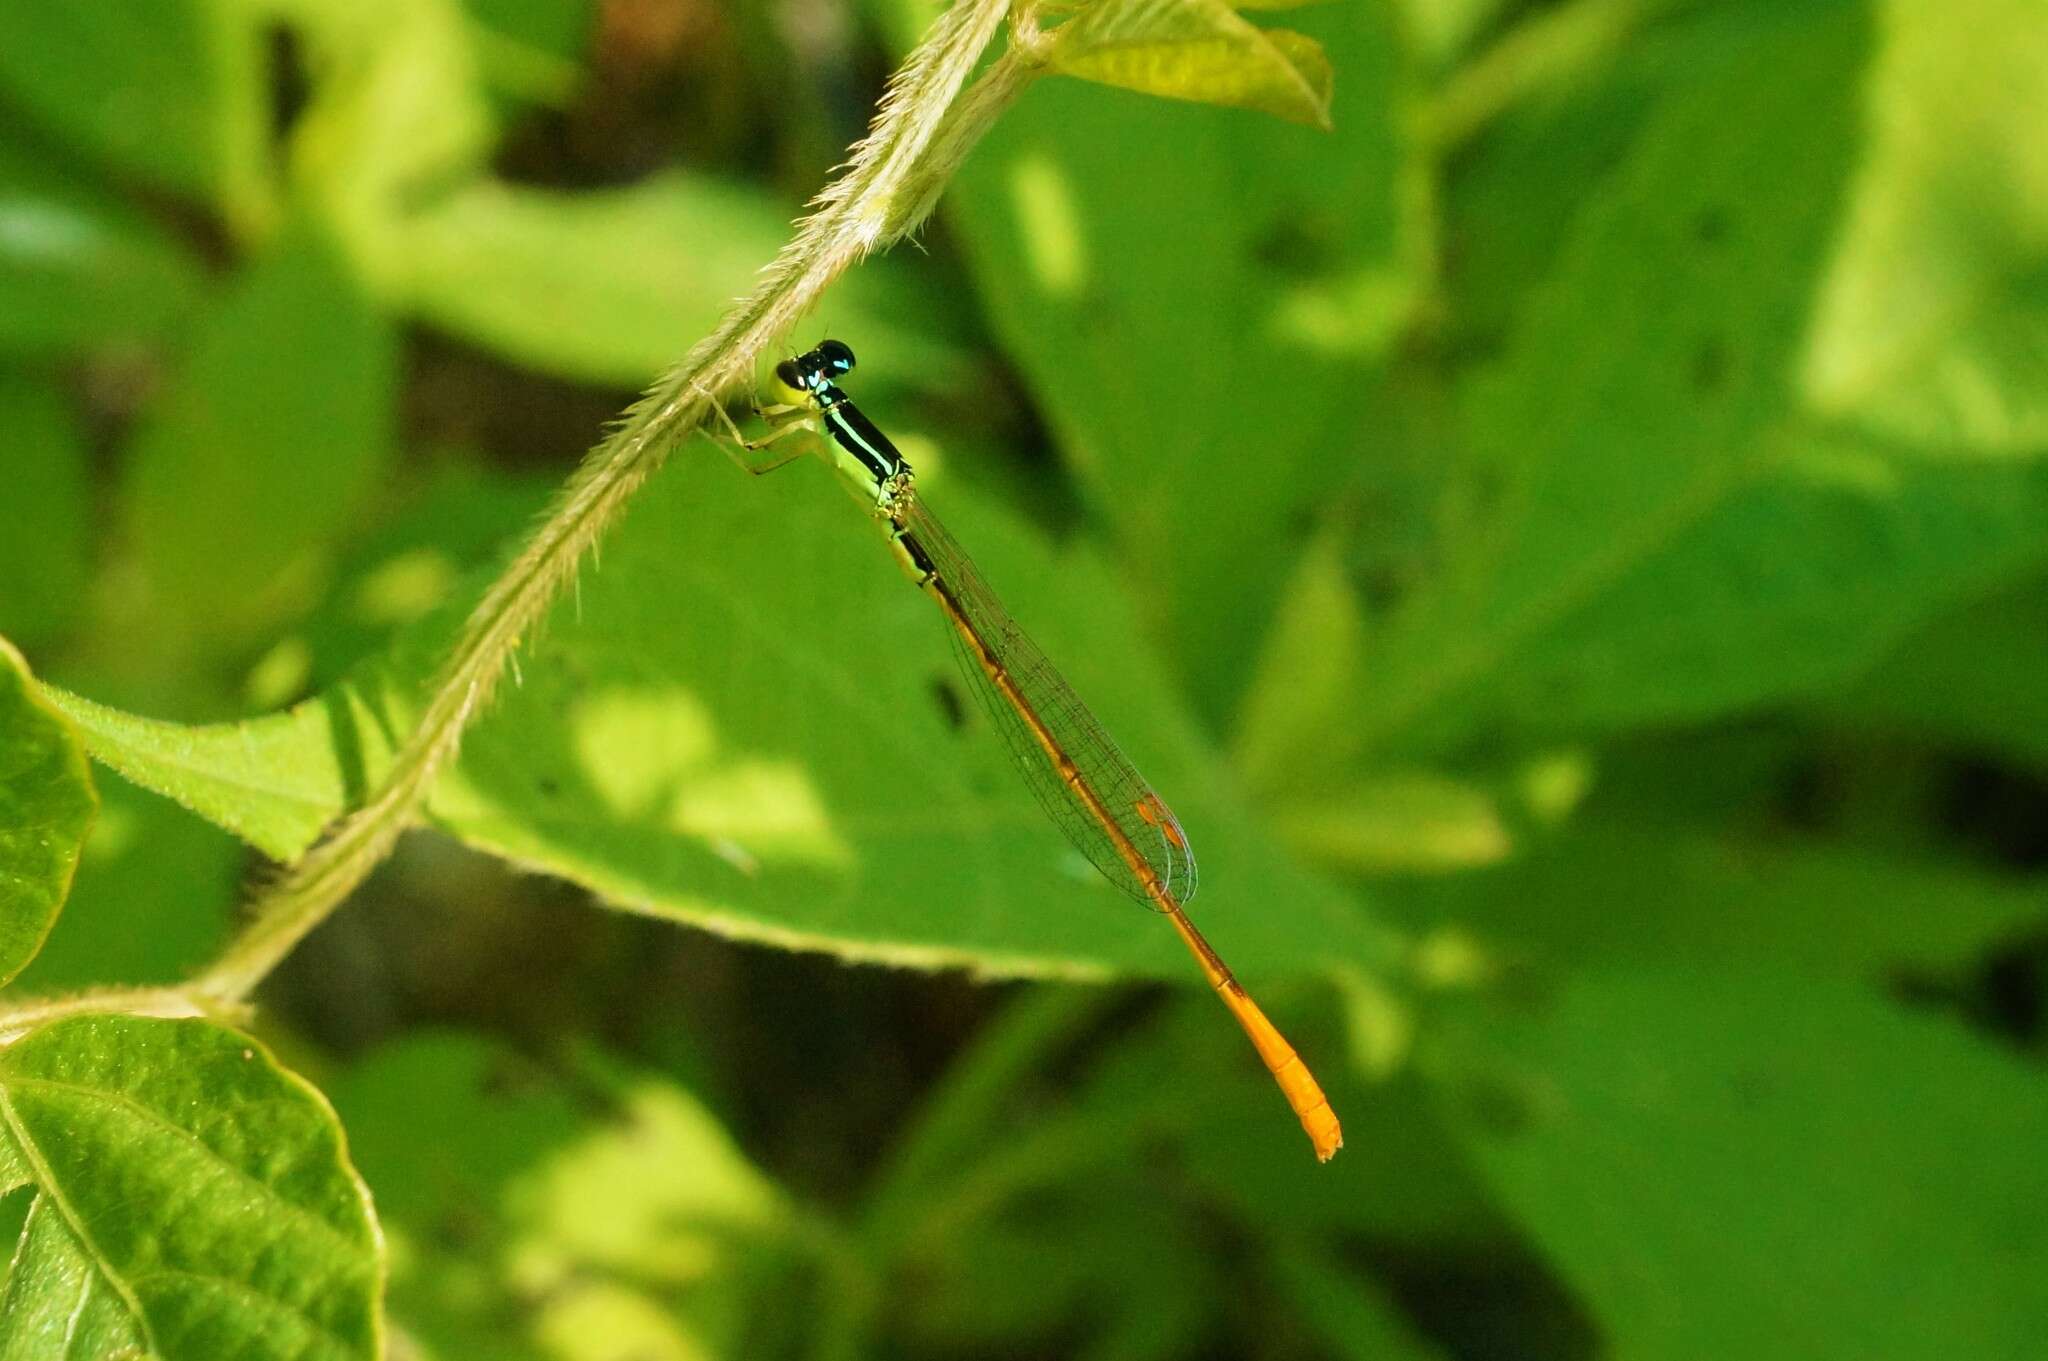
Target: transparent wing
1082 781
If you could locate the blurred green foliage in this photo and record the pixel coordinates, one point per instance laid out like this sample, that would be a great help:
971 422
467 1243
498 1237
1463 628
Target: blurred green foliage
1571 542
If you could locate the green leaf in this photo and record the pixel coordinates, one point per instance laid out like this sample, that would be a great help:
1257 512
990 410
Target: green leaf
46 806
1394 821
57 1306
1520 188
1357 1316
277 781
1934 321
747 721
1607 431
1768 1165
755 728
1646 527
196 1188
531 49
1291 736
1195 303
1197 50
610 286
274 782
79 267
1437 31
241 478
1782 581
1415 1185
454 526
1023 1229
1296 751
561 28
155 894
614 1201
169 90
1065 1280
1608 893
1969 678
659 1194
442 1123
43 560
398 113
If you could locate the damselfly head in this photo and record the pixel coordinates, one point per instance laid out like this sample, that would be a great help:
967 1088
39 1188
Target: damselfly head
814 368
834 357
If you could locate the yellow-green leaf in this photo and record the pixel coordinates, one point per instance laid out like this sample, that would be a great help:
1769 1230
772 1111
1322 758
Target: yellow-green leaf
751 724
46 805
1199 50
608 285
192 1196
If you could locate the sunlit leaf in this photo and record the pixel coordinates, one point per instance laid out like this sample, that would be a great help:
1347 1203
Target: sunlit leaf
746 720
1934 322
398 115
633 1223
197 1196
265 781
1196 302
277 781
612 286
660 1193
1197 50
1646 527
46 805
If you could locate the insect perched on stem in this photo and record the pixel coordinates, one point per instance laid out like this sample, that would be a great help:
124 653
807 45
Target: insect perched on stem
1085 784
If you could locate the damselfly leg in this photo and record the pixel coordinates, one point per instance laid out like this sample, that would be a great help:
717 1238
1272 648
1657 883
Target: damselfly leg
784 419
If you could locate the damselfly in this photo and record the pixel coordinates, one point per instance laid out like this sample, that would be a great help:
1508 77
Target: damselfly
1080 777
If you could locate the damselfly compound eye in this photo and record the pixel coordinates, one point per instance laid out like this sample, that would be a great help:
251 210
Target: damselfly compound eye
837 356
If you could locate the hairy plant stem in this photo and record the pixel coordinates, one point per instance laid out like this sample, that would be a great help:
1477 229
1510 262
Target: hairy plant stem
171 1003
920 135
